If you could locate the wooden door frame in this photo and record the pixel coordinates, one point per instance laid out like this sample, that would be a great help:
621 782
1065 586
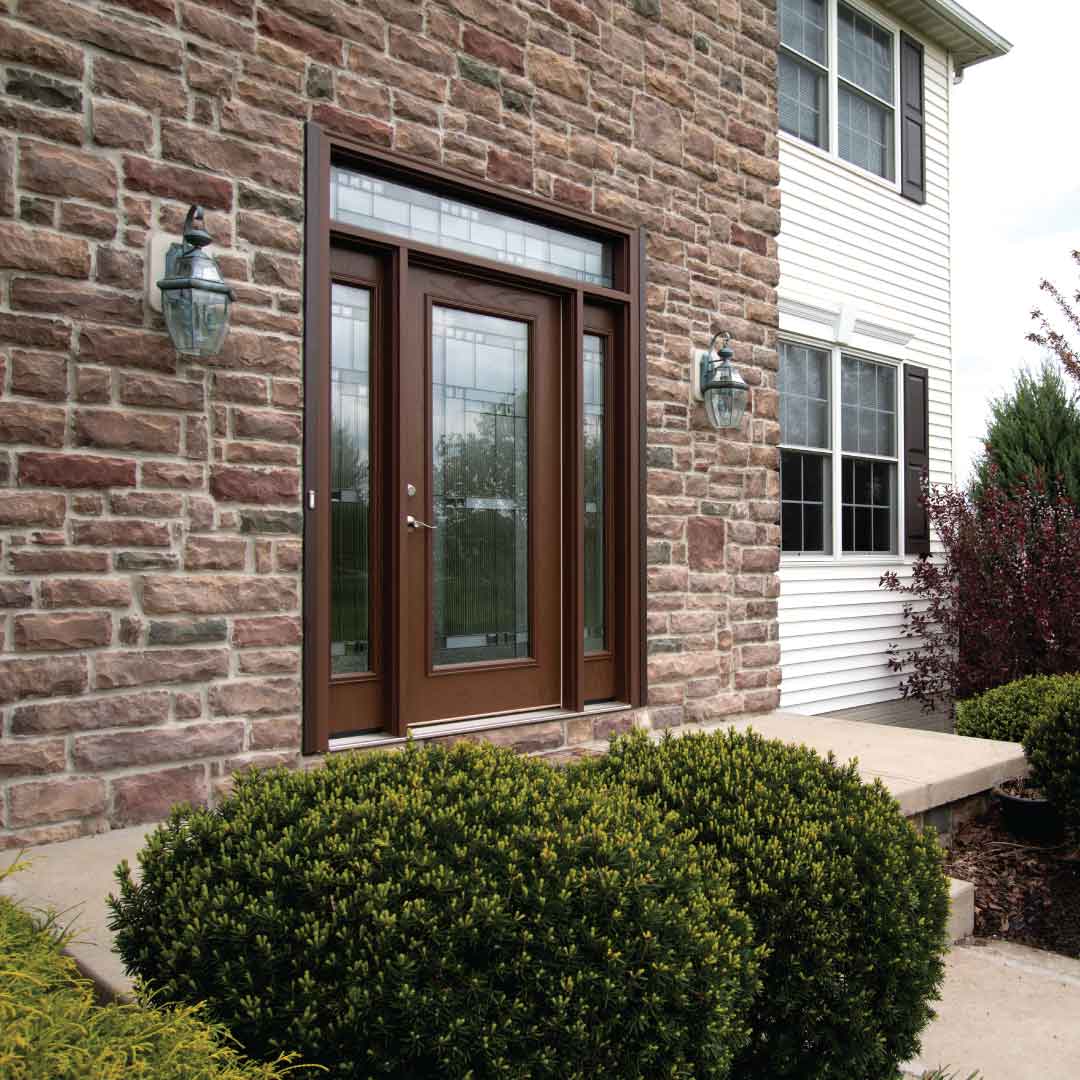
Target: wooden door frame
626 298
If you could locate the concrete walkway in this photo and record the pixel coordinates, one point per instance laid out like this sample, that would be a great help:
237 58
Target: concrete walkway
74 878
1009 1012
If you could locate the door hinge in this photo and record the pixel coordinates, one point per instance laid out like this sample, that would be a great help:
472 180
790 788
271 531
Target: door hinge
311 500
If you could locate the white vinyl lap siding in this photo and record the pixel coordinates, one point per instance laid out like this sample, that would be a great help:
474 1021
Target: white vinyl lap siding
849 238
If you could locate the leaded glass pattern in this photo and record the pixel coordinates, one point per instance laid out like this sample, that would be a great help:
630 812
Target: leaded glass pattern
865 63
805 517
480 486
595 608
350 479
369 202
802 28
865 53
804 395
868 506
866 132
803 101
868 407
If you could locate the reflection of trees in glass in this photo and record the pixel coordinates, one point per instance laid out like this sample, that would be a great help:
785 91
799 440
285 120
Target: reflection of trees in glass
481 547
593 438
594 533
350 473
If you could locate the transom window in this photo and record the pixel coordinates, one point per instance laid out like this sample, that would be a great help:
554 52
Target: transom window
833 57
381 205
863 471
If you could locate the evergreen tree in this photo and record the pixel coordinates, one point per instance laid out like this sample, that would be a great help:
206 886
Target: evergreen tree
1034 437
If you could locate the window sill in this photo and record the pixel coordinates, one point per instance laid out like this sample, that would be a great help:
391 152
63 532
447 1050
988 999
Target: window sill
835 159
847 559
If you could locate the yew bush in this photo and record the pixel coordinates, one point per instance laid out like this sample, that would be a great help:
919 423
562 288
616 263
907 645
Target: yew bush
446 914
847 899
1052 747
999 602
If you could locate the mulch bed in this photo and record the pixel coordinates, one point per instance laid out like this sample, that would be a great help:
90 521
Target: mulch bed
1025 891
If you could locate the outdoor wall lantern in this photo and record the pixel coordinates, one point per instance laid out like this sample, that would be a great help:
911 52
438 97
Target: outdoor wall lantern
719 384
194 297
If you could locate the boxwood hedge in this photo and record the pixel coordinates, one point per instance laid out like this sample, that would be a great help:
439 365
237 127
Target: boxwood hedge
1008 712
850 900
446 913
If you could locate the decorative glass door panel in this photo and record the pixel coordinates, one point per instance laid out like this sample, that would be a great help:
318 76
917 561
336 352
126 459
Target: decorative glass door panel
346 496
481 518
595 494
480 486
350 479
600 452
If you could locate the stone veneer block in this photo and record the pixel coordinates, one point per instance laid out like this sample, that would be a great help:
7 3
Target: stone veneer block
150 504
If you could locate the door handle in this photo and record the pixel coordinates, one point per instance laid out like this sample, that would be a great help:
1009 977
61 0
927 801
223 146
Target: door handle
413 523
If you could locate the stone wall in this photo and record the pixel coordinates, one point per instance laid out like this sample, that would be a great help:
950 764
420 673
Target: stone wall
150 507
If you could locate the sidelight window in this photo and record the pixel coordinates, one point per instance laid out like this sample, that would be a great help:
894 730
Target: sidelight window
595 494
350 477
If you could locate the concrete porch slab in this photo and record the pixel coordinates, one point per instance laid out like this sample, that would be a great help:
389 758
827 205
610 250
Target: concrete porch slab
922 769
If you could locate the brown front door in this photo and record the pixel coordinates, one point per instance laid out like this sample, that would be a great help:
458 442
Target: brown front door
480 520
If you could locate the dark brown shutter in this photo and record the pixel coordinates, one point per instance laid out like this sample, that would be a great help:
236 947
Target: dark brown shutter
912 121
916 458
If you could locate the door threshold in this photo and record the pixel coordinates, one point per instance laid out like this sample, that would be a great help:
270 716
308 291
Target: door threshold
372 740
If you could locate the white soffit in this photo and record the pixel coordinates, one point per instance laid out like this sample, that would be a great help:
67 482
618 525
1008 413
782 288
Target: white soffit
951 26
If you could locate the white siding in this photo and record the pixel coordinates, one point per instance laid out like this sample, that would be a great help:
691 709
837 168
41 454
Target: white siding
849 242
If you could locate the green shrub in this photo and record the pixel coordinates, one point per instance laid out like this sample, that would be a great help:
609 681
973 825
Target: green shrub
445 913
847 897
52 1029
1007 712
1052 747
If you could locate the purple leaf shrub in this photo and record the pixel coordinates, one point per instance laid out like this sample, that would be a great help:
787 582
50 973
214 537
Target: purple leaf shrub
1000 602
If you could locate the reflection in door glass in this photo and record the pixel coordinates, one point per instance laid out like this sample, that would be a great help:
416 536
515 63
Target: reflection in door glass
480 487
350 478
594 493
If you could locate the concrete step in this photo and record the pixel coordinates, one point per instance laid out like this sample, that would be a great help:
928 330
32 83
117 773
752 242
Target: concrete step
961 910
923 770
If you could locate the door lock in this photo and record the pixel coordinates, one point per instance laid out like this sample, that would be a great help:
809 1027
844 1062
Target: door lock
413 523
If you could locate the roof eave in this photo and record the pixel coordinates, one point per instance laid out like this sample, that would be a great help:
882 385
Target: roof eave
969 39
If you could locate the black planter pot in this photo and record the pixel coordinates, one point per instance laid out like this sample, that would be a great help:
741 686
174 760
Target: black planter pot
1034 818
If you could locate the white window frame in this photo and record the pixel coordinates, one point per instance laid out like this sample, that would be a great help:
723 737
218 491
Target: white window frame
832 69
836 454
